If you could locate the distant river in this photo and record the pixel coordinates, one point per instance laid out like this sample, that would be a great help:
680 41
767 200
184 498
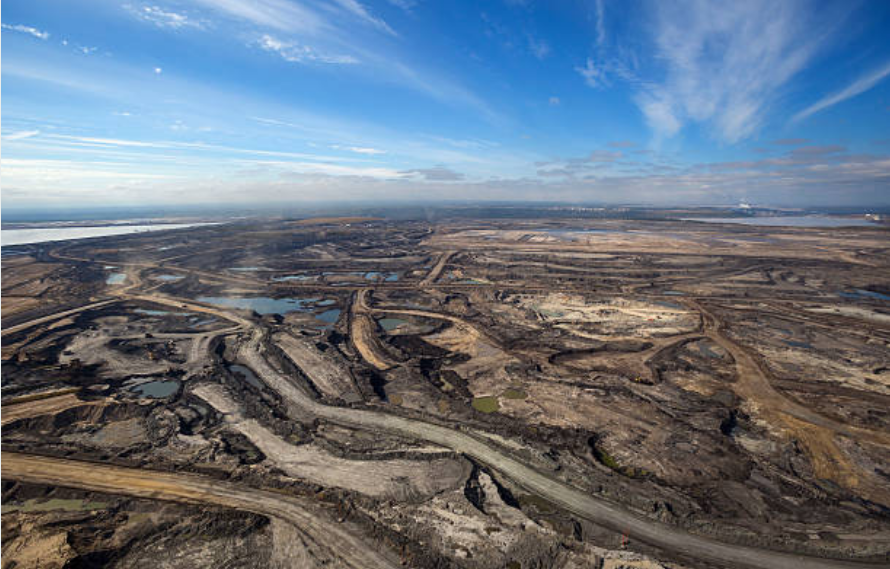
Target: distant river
44 234
789 221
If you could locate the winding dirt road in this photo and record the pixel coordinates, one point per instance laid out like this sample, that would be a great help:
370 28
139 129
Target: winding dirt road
187 488
572 499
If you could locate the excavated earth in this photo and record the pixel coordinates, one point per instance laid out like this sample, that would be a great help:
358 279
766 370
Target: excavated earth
525 393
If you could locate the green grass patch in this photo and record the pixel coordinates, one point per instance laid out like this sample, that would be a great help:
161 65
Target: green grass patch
606 459
514 394
487 404
68 505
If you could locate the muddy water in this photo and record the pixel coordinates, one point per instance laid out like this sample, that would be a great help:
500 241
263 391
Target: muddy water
329 316
707 349
157 389
287 278
261 304
247 374
389 324
860 293
45 234
148 312
116 279
789 221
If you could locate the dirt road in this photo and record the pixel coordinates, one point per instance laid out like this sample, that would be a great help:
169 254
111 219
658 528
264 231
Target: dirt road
188 488
572 499
437 269
196 489
815 432
56 316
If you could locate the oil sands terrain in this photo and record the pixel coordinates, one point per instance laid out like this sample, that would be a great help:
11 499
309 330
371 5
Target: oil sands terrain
357 392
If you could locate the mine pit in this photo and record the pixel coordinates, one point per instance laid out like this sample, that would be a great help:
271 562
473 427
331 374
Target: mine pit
463 393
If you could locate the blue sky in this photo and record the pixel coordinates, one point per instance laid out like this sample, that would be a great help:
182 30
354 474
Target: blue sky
228 101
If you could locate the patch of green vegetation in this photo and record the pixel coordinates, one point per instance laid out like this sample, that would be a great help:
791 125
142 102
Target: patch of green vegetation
488 404
68 505
608 460
514 394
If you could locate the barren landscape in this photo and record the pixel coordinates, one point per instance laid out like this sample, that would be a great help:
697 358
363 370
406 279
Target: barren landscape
468 393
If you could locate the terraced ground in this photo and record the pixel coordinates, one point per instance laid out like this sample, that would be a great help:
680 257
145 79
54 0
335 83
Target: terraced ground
525 411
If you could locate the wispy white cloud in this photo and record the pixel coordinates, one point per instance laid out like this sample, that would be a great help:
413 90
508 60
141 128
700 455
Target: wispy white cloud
435 174
295 53
21 135
600 23
26 30
109 141
659 113
604 156
41 171
333 169
277 14
725 61
164 18
539 48
857 87
593 75
406 5
358 10
326 36
366 150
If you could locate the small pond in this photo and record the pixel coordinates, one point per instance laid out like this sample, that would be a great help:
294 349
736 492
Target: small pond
261 304
157 389
247 374
862 293
390 324
288 278
329 316
149 312
707 349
